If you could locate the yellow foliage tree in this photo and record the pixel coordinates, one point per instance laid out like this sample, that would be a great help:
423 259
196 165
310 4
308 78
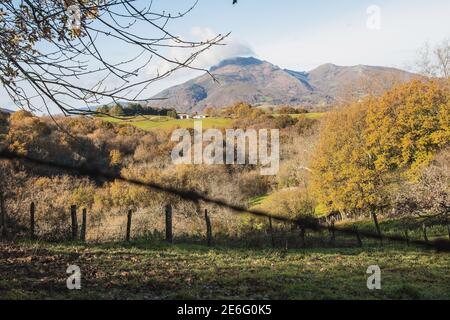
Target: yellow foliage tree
408 125
365 147
344 175
24 131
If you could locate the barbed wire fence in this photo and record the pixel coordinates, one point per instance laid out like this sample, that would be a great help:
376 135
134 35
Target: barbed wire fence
312 224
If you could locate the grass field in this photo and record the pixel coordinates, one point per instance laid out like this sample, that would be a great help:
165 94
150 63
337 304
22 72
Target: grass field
311 115
140 270
155 122
398 227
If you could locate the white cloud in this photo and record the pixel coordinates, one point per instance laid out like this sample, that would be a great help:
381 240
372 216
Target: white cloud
231 47
404 27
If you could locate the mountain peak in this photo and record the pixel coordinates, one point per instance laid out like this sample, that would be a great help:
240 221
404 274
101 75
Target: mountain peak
327 66
237 61
258 82
7 111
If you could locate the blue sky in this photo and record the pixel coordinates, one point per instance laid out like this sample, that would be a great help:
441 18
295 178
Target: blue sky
302 35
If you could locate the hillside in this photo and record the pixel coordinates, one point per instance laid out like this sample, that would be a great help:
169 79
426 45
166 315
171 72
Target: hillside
7 111
260 82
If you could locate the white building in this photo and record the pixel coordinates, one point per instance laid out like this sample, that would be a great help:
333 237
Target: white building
200 116
183 116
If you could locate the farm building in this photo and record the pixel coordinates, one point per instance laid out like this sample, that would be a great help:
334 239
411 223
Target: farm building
200 116
183 116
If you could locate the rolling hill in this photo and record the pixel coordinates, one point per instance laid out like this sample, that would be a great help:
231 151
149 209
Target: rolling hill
7 111
259 82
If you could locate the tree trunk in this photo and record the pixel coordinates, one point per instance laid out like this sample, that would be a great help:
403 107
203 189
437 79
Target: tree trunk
332 230
377 226
302 235
358 237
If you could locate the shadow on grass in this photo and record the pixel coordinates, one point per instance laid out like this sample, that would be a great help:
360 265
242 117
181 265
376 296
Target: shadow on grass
313 244
142 270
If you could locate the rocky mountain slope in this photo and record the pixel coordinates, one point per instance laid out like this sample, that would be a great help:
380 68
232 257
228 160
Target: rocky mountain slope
261 83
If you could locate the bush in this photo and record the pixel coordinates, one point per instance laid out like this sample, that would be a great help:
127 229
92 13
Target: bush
284 121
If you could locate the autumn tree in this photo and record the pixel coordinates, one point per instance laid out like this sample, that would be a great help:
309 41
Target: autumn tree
344 175
408 125
24 133
116 111
172 114
368 148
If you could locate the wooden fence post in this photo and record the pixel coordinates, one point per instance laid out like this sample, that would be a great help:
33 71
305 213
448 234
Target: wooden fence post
358 237
169 234
32 212
73 215
2 216
407 237
129 216
208 229
424 229
271 232
83 225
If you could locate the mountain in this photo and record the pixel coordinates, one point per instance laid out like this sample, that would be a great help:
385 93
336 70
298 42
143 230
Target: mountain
259 82
7 111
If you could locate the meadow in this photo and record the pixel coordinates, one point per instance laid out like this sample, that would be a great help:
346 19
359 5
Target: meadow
162 122
145 270
159 122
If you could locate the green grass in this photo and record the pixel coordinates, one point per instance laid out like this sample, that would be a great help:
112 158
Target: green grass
256 201
140 270
265 200
398 227
156 122
310 115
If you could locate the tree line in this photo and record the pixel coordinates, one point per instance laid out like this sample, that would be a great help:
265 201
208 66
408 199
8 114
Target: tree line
136 109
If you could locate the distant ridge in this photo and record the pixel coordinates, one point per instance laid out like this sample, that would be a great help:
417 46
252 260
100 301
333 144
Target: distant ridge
248 79
6 111
239 61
